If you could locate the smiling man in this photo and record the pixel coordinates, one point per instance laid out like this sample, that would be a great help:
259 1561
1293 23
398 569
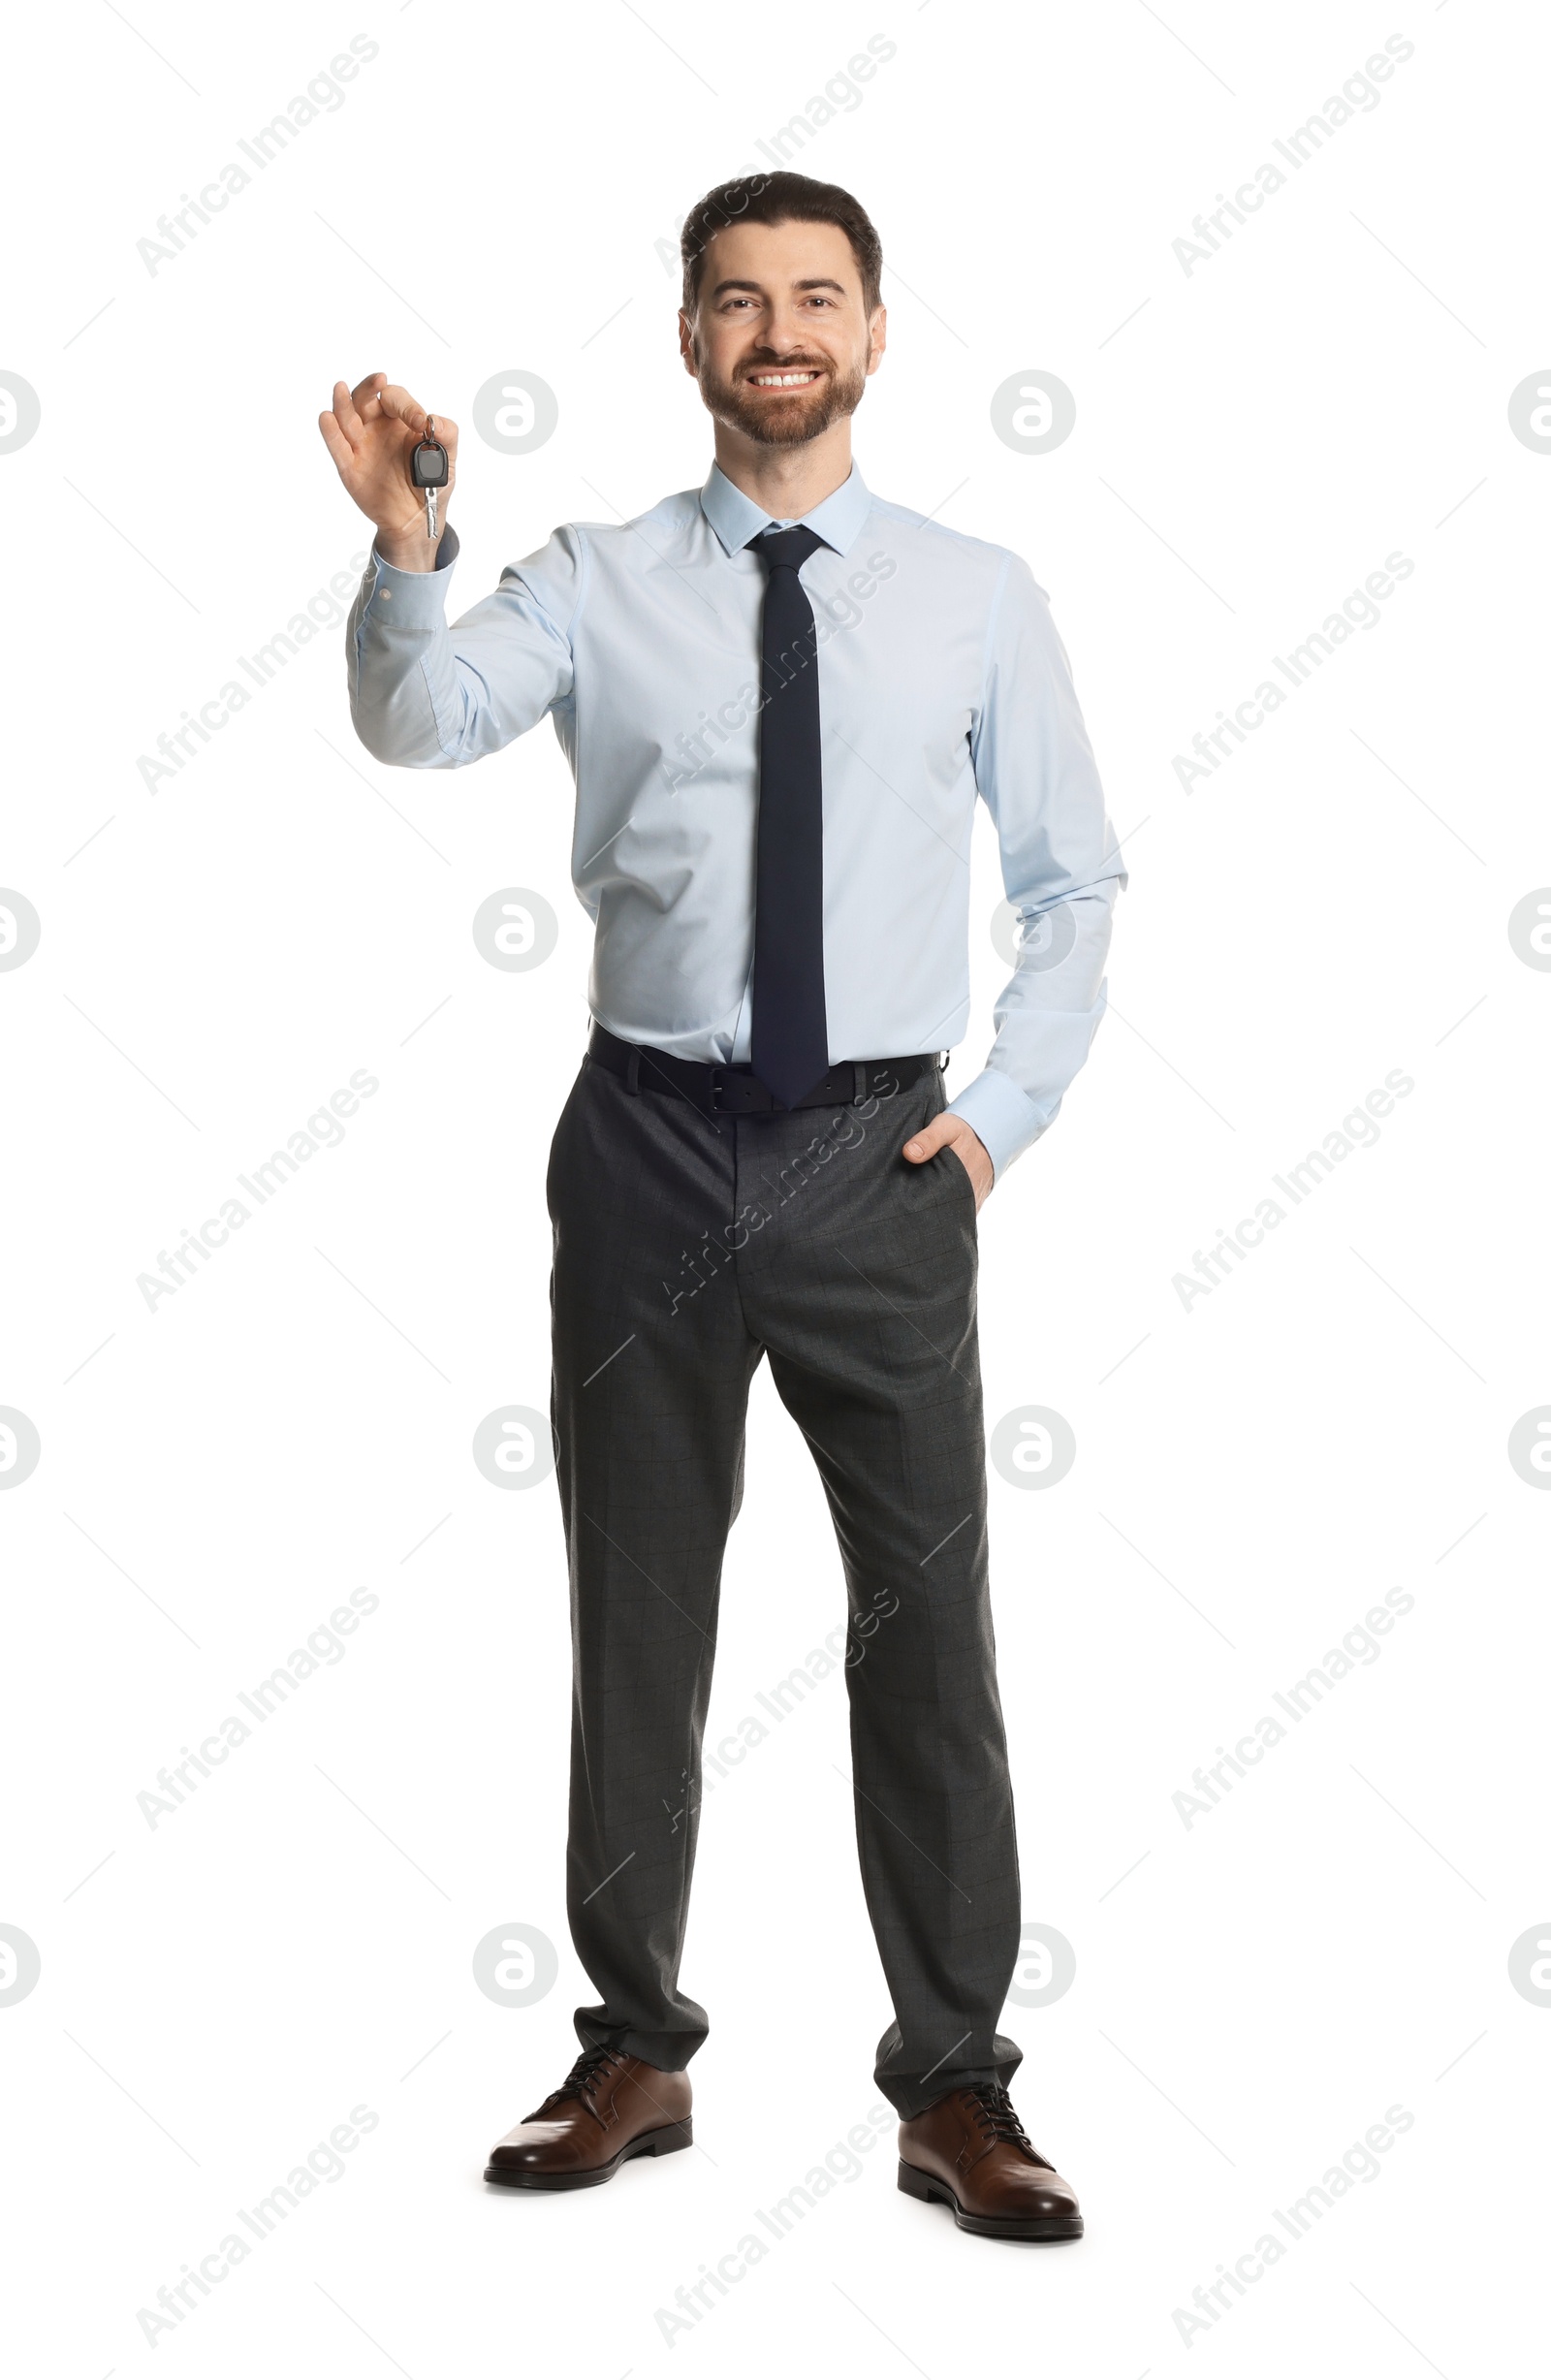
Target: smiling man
780 697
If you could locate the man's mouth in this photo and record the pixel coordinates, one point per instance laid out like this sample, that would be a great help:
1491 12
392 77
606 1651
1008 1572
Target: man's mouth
801 378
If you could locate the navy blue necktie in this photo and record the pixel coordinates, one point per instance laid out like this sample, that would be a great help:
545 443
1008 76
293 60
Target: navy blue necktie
790 1048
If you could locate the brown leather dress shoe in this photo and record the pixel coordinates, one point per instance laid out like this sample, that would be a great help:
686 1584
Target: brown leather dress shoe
972 2151
609 2107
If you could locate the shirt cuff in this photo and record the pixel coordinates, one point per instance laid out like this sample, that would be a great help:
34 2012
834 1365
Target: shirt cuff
411 598
1006 1120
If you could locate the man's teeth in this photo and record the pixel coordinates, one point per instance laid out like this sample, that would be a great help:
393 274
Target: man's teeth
783 380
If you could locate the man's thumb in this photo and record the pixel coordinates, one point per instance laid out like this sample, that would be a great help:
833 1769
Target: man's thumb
924 1143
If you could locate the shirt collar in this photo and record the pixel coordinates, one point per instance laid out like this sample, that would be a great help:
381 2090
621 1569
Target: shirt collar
736 517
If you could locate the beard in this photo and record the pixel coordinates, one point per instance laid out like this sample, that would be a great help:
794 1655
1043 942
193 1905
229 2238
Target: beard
789 417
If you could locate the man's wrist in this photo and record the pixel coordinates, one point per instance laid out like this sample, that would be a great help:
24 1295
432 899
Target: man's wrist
409 548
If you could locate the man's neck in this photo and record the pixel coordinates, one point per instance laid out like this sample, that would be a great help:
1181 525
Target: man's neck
786 481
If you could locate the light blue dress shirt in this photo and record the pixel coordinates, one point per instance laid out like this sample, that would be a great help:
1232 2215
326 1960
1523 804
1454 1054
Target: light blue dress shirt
940 677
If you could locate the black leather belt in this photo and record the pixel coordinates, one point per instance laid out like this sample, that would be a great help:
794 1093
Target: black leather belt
737 1090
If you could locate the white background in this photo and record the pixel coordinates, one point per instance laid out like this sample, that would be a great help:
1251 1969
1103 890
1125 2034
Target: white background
1252 1474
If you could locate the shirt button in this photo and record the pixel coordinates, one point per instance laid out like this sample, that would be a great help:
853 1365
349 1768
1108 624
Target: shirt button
387 593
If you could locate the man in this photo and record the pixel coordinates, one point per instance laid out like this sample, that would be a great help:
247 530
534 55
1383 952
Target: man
779 698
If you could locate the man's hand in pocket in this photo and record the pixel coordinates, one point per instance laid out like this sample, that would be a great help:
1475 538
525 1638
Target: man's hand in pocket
951 1131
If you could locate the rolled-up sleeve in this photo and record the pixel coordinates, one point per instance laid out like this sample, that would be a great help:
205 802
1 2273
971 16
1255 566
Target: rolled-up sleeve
1060 866
424 695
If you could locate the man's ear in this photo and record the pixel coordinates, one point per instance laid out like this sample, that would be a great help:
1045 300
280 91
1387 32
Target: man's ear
686 343
877 331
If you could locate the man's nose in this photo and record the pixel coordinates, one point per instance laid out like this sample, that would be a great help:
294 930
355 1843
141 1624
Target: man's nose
785 333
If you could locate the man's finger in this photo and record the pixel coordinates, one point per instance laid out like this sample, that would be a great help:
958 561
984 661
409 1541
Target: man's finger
338 444
351 425
402 406
362 395
927 1142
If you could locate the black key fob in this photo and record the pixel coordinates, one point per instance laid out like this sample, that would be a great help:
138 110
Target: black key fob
428 464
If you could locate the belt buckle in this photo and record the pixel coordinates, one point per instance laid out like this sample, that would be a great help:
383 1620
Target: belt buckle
720 1077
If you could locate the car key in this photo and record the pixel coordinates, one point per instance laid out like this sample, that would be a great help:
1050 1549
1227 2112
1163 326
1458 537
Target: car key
427 470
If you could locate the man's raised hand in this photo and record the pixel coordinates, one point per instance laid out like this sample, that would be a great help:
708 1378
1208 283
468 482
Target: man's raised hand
371 432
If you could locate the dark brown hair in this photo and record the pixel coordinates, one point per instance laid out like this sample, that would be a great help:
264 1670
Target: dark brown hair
779 198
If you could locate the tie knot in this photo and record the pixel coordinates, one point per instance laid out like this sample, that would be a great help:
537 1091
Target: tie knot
786 549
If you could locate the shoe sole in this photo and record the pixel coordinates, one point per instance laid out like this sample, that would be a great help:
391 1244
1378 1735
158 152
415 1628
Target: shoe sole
916 2184
659 2143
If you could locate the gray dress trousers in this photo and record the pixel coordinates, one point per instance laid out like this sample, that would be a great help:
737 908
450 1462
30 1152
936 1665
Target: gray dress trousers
685 1247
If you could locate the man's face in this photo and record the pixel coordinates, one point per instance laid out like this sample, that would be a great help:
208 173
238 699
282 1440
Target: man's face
780 341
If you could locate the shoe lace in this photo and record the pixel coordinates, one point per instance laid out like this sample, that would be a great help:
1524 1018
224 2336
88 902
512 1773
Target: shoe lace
581 2080
998 2118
